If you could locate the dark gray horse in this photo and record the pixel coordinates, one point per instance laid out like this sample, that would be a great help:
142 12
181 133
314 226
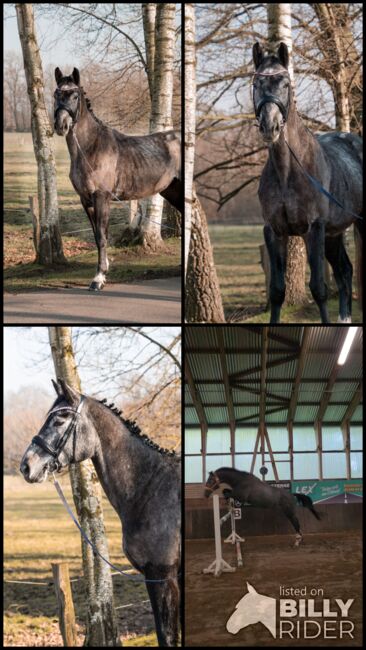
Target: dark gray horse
247 488
106 164
291 204
141 480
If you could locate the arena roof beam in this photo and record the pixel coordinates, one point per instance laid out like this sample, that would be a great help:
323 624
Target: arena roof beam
356 399
280 380
273 337
271 364
299 372
228 393
195 396
256 391
329 387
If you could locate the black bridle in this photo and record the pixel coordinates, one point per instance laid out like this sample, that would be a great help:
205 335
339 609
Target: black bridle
271 99
61 105
71 430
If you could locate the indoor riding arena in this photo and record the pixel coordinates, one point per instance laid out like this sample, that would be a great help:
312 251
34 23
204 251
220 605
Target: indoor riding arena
273 486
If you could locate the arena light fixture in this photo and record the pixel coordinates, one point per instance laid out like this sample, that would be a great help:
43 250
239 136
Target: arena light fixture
347 345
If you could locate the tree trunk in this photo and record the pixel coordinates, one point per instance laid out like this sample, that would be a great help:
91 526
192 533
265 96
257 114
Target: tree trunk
295 272
101 623
203 302
162 98
50 246
279 30
189 123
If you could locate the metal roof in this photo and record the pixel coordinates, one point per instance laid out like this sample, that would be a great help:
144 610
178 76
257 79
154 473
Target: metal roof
323 388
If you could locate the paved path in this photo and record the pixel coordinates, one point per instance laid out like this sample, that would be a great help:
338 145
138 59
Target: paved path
152 301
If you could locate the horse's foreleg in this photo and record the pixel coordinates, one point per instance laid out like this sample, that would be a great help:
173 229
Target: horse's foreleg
337 257
315 243
101 204
277 251
165 602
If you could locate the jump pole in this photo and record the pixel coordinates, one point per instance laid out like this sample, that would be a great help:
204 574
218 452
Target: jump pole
234 538
219 565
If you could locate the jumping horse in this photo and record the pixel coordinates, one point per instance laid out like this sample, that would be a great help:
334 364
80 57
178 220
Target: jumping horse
247 488
106 164
311 186
141 480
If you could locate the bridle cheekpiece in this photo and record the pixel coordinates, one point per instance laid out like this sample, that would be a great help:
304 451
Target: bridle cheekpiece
71 430
62 106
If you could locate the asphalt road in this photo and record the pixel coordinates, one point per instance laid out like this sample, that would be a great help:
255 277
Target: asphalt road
152 301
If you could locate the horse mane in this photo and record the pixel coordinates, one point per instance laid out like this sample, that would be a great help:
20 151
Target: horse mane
90 109
135 430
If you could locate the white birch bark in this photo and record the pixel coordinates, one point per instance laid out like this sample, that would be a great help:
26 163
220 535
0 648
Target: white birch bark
161 107
50 246
189 122
279 30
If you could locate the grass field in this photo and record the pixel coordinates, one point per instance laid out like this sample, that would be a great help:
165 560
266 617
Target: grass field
37 532
20 181
237 260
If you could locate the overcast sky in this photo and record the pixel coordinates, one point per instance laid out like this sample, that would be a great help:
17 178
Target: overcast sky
28 361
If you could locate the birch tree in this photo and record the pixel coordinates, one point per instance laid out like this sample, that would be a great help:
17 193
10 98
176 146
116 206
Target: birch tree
189 122
160 44
50 246
101 623
202 291
279 30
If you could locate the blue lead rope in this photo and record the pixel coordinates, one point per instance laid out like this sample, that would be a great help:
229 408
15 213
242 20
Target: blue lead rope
95 550
318 186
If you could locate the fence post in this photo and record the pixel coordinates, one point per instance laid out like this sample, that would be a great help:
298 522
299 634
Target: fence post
65 603
34 208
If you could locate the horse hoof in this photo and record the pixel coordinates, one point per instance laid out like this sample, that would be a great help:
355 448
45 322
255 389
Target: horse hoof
96 286
348 319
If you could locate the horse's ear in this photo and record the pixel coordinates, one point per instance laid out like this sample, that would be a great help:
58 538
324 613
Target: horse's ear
257 55
76 76
71 395
58 75
283 55
57 388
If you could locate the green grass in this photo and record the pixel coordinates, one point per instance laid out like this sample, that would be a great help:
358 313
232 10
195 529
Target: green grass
38 532
21 273
237 261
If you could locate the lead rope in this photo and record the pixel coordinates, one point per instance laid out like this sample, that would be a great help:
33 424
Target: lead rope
95 550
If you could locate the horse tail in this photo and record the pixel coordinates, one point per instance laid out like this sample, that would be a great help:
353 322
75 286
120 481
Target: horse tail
307 503
357 232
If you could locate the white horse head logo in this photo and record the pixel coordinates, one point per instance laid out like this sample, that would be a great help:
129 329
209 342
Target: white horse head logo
253 608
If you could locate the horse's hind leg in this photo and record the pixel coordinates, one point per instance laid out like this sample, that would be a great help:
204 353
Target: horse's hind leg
315 242
337 257
101 202
295 522
277 251
165 602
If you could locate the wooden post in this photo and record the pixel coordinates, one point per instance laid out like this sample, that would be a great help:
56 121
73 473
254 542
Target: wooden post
34 208
133 213
65 603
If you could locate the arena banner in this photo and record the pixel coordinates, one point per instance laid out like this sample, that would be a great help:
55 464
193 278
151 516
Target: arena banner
330 491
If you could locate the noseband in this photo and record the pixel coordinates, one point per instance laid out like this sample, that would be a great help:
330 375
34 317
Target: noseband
71 430
271 99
